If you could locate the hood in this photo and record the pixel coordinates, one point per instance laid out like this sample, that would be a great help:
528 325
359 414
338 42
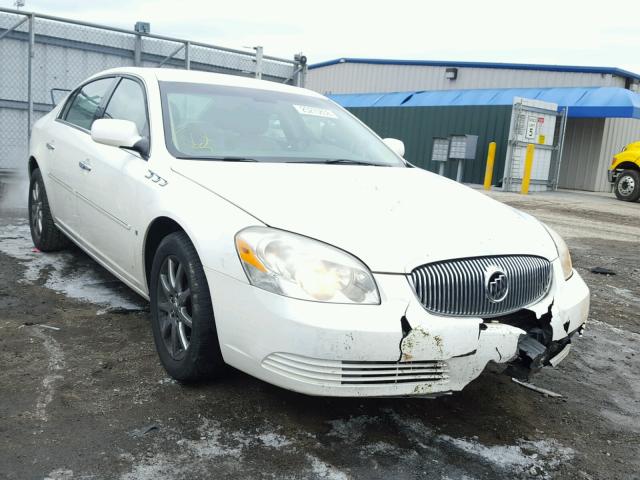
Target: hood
393 219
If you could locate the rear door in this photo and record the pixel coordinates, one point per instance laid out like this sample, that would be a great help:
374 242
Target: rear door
70 144
107 195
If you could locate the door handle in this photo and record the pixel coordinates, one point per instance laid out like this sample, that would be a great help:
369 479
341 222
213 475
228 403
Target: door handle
50 146
84 166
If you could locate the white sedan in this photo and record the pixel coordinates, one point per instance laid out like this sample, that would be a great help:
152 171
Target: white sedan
274 232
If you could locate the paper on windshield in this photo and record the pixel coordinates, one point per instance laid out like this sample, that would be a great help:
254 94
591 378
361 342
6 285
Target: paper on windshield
314 111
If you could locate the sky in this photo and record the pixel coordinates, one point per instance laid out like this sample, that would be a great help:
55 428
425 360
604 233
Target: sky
561 32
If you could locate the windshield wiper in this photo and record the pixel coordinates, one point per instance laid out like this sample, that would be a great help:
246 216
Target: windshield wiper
338 161
236 159
346 161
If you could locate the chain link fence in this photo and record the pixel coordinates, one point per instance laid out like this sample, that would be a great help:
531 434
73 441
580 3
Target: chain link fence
42 57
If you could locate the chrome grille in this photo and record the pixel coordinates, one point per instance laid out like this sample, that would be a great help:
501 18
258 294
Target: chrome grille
457 287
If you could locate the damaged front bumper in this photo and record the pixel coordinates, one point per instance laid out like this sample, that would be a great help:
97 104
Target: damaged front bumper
396 348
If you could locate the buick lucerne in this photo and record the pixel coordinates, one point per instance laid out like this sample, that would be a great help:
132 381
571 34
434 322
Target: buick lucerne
274 232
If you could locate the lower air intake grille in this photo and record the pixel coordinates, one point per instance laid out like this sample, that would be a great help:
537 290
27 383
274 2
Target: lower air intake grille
353 372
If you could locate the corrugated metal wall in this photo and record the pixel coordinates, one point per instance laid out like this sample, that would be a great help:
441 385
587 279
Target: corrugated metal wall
417 126
589 145
366 78
581 154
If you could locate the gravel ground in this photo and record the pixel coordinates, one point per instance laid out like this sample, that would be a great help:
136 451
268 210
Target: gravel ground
89 400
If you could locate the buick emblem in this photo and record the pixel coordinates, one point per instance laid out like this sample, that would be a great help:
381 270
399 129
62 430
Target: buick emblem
496 284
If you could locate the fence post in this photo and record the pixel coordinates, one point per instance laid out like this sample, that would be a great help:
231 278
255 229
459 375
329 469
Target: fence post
528 164
491 157
32 40
259 52
137 50
187 55
299 70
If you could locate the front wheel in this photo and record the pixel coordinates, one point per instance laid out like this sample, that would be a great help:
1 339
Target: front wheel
627 186
182 318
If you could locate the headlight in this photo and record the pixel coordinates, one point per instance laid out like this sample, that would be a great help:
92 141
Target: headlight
299 267
563 253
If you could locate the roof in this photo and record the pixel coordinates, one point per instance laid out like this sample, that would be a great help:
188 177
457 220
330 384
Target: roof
513 66
594 102
198 76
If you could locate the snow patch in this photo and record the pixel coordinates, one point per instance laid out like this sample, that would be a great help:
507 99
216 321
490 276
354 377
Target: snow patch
386 449
212 442
167 381
351 429
55 365
525 456
64 272
157 467
59 474
324 470
274 440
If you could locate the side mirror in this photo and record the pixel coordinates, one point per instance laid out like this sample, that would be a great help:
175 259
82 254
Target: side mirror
119 133
395 145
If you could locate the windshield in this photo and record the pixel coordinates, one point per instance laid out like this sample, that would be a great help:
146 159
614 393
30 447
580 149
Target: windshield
213 122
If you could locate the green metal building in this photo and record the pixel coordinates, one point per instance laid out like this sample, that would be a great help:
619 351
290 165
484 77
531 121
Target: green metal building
418 126
602 118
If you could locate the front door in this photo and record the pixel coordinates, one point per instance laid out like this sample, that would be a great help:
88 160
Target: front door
107 194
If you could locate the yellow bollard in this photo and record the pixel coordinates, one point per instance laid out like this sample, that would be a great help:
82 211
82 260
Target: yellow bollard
488 174
528 165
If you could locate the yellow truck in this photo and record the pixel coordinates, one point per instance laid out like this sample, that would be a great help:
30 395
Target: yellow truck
624 173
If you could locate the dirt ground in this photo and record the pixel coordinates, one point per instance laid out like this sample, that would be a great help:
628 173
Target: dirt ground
82 394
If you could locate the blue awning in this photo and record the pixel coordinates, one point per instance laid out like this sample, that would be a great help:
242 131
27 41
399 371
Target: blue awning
593 102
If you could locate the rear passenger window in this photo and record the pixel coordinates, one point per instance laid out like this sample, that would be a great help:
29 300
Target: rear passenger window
84 105
127 103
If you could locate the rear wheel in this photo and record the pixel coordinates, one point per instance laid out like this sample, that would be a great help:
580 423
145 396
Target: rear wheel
181 312
45 235
627 186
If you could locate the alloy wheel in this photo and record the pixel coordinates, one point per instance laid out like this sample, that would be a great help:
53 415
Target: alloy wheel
36 209
174 307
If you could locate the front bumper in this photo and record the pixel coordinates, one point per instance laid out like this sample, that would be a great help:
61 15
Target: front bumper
612 175
396 348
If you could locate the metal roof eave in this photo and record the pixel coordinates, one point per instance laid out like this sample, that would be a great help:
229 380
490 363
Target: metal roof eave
514 66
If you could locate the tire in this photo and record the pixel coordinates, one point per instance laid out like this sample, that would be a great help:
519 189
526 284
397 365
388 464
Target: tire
44 233
188 353
627 186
